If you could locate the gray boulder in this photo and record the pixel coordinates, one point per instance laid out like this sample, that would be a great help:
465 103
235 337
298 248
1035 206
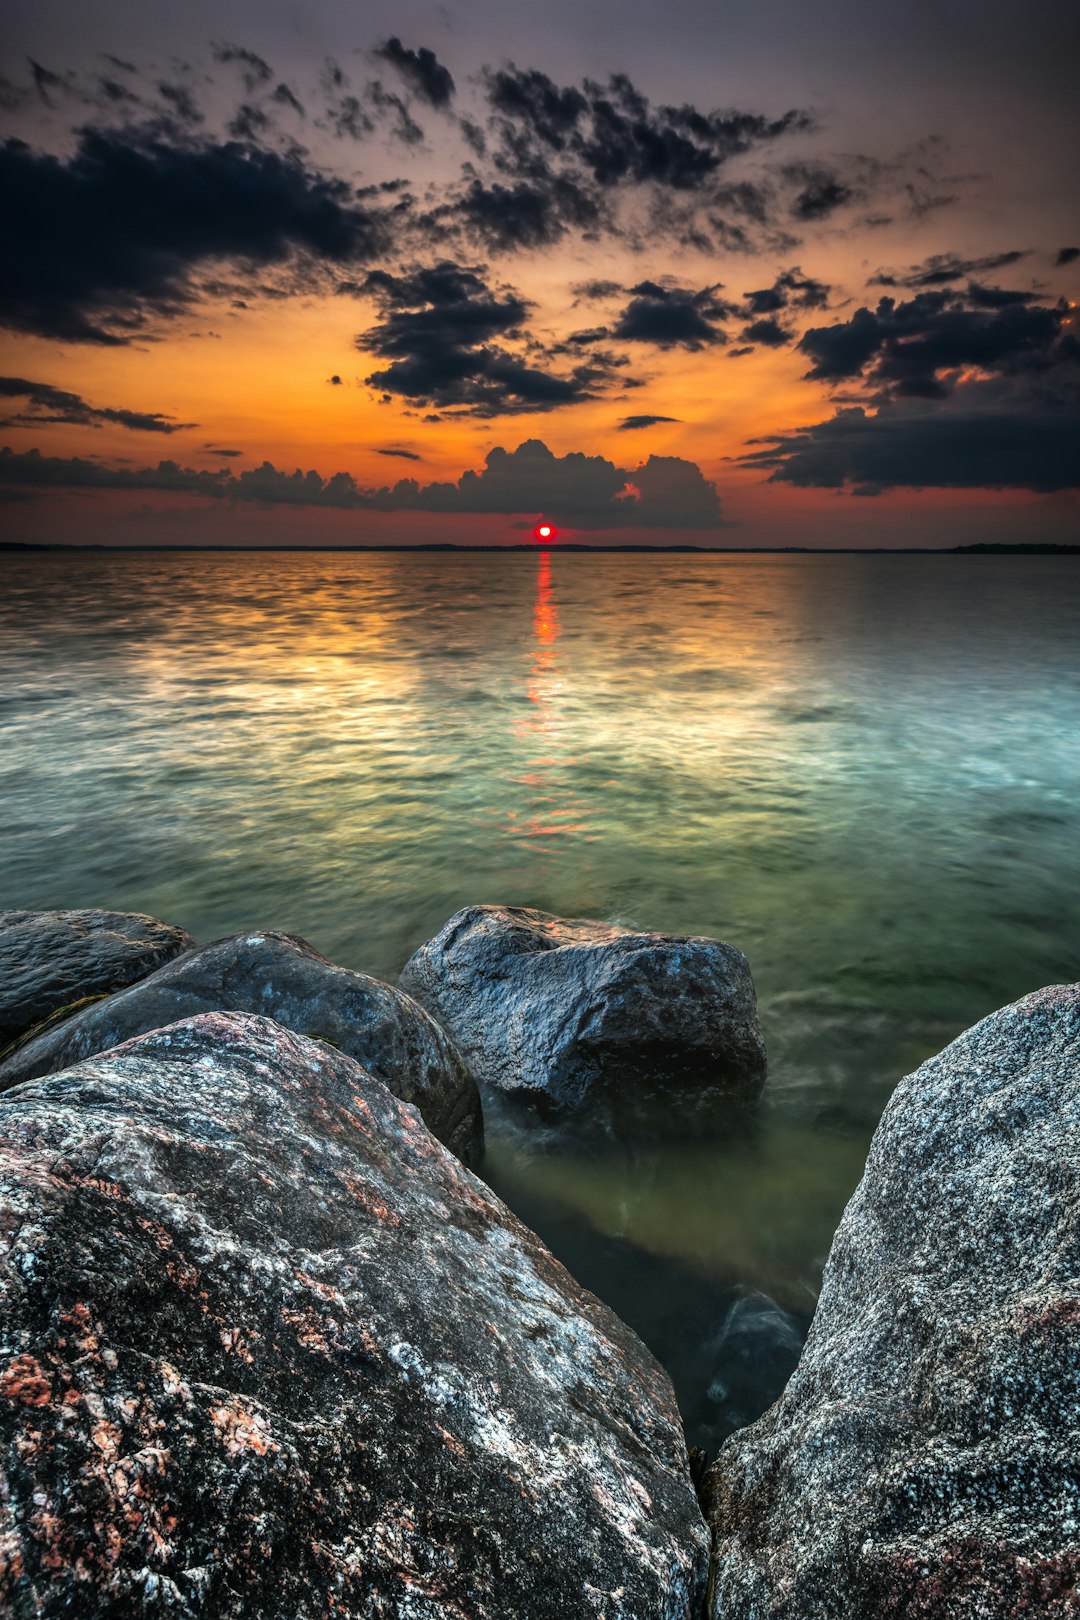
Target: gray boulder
924 1460
285 979
572 1014
48 959
266 1348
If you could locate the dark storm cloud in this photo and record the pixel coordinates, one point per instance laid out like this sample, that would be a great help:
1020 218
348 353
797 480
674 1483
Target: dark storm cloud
30 469
1067 255
791 287
422 71
579 491
905 348
767 331
55 405
819 190
442 331
522 214
612 132
96 244
575 490
943 268
672 317
630 423
999 433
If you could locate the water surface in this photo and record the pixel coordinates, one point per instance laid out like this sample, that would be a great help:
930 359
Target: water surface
863 770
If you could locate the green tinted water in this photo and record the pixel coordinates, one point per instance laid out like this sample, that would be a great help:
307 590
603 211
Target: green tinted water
864 771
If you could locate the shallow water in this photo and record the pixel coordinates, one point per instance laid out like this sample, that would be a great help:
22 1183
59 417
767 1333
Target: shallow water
863 770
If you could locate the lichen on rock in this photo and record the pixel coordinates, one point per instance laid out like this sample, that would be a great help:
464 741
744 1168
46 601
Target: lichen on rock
268 1349
924 1460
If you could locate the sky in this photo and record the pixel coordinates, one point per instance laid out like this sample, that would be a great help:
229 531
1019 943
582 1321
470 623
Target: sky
744 273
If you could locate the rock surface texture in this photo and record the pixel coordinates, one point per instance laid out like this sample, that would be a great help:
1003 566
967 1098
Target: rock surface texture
267 1349
924 1461
568 1012
284 979
49 959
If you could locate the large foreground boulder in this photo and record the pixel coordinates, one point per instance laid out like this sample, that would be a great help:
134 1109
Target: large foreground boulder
570 1013
924 1461
283 978
49 959
267 1349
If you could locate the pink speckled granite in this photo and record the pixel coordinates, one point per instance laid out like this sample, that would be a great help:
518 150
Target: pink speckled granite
268 1349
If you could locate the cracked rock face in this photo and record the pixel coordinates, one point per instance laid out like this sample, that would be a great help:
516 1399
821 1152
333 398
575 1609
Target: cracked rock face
267 1349
282 978
570 1014
923 1460
49 959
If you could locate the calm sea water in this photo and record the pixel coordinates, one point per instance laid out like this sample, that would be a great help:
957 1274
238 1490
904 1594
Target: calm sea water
865 771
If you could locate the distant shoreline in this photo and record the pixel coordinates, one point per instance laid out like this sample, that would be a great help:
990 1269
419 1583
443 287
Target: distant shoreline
1036 550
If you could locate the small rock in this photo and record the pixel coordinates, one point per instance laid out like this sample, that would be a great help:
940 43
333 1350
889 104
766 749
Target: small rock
266 1348
566 1013
48 959
922 1462
282 978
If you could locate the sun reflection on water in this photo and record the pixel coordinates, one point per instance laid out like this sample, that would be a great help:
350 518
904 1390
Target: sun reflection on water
551 809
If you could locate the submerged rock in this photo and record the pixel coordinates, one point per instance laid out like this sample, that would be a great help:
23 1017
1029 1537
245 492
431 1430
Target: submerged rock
923 1460
567 1013
48 959
266 1348
285 979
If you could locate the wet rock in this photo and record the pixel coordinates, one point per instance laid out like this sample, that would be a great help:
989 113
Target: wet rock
570 1013
266 1348
923 1460
48 959
285 979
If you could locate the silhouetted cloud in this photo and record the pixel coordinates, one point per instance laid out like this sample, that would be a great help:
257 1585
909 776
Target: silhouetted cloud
612 133
906 348
1067 255
820 190
56 405
942 268
767 331
96 244
996 433
523 214
630 423
791 287
422 71
30 469
401 455
672 317
443 331
575 490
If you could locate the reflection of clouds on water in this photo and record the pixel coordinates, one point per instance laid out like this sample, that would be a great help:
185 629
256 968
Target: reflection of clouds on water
550 808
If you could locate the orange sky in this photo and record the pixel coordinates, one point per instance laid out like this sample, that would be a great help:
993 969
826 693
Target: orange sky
256 379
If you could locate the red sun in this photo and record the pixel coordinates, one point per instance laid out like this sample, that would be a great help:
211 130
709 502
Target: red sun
544 531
